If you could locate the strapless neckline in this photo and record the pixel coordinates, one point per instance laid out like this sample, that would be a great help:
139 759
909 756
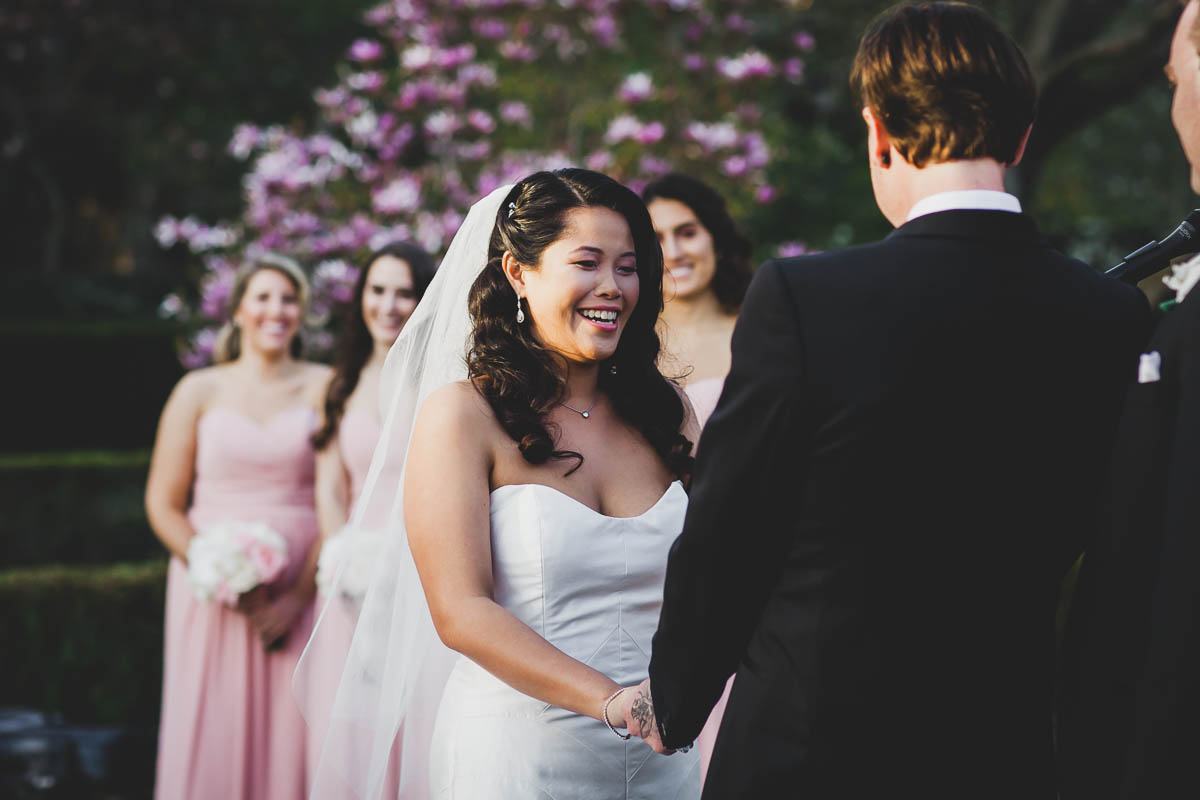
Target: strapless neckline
264 424
580 503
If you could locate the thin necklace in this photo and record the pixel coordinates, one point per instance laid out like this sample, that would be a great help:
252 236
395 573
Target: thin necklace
584 414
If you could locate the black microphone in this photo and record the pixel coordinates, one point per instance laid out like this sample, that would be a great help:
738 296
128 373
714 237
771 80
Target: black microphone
1153 256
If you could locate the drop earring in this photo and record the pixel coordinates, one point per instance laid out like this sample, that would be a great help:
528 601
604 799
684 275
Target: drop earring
520 311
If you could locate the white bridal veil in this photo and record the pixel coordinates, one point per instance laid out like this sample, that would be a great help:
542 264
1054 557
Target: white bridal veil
396 667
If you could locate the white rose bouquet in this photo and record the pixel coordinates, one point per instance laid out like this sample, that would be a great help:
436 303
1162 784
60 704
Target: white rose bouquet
353 552
228 559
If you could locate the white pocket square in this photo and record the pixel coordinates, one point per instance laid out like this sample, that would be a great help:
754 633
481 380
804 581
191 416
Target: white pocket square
1148 367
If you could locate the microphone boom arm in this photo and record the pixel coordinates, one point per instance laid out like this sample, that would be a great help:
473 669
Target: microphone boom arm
1154 256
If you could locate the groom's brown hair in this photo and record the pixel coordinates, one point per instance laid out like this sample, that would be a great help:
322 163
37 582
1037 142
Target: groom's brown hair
947 82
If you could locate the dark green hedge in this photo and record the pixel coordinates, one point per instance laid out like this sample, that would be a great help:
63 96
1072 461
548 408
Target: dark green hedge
84 641
74 508
98 386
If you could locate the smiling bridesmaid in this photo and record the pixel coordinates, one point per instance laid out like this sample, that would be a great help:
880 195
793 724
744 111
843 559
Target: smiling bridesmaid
707 260
233 446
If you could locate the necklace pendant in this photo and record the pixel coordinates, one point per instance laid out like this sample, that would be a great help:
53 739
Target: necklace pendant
585 414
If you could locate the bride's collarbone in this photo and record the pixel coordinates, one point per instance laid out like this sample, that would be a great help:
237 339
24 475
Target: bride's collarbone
605 482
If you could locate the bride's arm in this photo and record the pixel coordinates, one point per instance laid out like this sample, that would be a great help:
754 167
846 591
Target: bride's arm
446 513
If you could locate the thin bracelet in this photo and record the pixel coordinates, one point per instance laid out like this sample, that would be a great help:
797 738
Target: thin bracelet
604 713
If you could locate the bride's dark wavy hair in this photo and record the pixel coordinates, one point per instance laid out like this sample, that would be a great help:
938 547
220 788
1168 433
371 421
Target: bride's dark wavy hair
521 379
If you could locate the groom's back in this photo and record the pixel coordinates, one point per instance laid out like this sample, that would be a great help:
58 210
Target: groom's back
961 383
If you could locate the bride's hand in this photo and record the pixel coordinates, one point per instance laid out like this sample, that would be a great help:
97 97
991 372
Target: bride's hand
634 709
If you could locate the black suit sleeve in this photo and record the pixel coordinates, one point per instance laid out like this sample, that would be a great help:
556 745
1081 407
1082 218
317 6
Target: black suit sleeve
721 567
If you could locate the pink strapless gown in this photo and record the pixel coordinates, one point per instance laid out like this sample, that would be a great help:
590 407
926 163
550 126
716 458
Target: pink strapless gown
230 727
358 433
704 395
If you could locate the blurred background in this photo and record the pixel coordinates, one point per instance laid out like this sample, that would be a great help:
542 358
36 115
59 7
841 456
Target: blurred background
147 145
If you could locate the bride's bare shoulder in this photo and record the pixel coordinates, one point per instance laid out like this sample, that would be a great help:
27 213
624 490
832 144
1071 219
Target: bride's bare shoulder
459 405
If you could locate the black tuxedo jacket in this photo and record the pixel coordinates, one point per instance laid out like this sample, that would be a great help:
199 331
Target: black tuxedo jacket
904 462
1130 717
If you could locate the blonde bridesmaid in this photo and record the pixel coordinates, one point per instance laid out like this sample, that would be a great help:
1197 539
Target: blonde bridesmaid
233 445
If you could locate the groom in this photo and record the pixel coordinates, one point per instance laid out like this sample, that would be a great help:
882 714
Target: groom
902 466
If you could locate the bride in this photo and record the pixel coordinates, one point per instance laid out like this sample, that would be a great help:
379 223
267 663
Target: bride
542 491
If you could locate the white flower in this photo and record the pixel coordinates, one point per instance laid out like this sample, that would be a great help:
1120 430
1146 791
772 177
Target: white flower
166 232
228 559
1183 277
417 57
347 561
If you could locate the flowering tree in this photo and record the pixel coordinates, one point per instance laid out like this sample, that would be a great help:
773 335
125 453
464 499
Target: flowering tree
450 99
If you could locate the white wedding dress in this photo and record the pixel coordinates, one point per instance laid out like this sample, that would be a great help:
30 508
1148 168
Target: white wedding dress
592 586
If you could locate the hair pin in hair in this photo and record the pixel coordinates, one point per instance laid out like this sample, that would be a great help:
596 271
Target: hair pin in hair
512 206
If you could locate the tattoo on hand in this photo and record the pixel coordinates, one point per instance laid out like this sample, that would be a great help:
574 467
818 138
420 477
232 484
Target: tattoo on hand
642 712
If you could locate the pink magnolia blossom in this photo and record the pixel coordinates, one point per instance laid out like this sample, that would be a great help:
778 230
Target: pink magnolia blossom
418 57
736 23
366 81
245 139
442 123
649 165
636 87
519 51
793 69
651 132
735 166
764 194
398 197
712 137
490 28
751 64
166 232
791 249
456 56
516 112
477 75
803 40
599 160
604 28
693 62
623 127
365 50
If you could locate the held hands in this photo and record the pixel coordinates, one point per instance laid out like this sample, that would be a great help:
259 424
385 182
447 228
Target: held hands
273 617
634 709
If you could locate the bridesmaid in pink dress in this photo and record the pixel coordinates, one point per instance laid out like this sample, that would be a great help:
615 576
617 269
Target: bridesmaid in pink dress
707 260
233 444
385 296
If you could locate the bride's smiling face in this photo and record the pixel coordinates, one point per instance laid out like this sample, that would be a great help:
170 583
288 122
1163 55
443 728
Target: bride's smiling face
581 294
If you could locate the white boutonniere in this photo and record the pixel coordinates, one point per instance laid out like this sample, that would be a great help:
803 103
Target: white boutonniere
1183 277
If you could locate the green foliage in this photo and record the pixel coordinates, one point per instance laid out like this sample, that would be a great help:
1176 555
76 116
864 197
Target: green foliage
84 641
74 508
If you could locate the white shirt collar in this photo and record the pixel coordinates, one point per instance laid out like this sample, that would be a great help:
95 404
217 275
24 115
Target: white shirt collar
968 199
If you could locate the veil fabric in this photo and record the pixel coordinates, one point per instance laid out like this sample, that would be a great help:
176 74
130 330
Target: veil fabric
396 666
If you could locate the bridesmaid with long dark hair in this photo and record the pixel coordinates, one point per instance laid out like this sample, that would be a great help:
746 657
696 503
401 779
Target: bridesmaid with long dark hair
707 271
385 295
233 446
